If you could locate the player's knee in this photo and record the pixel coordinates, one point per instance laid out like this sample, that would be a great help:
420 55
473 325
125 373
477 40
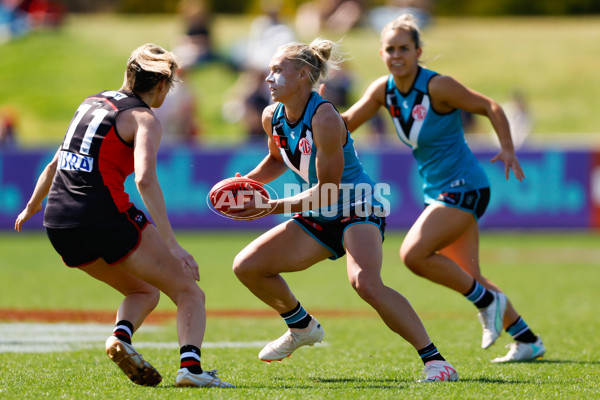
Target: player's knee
147 295
366 286
153 297
252 267
413 260
189 291
242 265
195 291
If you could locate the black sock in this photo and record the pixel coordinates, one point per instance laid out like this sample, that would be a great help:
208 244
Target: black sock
430 353
521 332
190 359
479 296
123 331
297 318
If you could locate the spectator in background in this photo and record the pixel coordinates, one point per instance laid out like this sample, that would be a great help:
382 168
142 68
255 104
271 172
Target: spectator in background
177 114
338 16
195 47
519 117
46 13
247 100
468 121
421 10
256 98
18 17
14 21
267 32
8 124
337 89
250 94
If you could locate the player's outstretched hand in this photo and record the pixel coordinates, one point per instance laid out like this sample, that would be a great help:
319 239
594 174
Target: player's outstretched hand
25 215
509 158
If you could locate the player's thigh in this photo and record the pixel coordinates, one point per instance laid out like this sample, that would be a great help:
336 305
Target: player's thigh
284 248
437 227
118 278
153 262
363 244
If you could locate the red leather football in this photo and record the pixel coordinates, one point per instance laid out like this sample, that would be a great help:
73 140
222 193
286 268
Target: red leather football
234 191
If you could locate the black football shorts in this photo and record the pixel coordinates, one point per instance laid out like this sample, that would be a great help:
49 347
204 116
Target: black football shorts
111 240
330 234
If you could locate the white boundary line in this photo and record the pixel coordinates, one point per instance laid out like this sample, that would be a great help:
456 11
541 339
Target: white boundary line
66 337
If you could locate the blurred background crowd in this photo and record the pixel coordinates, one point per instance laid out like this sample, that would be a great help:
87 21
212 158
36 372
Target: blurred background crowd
274 23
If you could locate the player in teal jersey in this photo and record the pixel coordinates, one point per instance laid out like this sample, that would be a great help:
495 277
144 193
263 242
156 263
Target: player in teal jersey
443 244
308 136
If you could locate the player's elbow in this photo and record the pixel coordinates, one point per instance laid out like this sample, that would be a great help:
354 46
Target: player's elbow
52 166
352 121
492 108
144 181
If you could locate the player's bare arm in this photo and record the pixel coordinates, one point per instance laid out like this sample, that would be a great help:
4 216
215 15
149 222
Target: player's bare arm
367 106
42 187
329 133
272 166
448 94
146 143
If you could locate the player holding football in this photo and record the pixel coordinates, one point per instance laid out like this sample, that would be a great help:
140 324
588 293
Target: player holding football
94 227
307 135
443 244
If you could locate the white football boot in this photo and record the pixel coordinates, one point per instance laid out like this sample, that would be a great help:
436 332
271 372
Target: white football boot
491 319
439 371
283 347
520 351
206 379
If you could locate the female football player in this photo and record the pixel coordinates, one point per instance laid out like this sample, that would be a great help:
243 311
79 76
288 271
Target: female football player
443 244
94 227
334 216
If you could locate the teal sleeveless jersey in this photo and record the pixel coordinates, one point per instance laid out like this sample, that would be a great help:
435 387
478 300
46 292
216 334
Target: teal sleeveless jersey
297 148
438 143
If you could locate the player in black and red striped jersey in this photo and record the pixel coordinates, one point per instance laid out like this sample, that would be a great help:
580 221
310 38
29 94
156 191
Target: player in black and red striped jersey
94 226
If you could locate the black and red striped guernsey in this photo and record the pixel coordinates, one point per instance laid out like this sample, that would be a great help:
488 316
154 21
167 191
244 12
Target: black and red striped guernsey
93 163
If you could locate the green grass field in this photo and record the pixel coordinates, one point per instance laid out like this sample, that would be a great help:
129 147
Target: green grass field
551 278
44 76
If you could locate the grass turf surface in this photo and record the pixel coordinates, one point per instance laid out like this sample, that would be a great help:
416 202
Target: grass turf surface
551 278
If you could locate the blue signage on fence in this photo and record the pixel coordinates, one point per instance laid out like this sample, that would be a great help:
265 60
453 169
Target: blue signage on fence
555 192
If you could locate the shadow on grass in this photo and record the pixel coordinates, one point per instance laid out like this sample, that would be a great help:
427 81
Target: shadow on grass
388 383
364 383
495 381
545 361
566 362
325 383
